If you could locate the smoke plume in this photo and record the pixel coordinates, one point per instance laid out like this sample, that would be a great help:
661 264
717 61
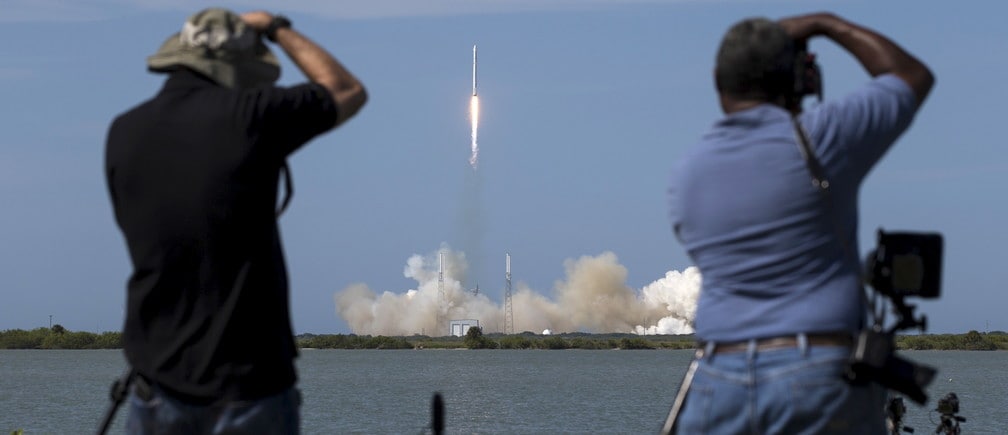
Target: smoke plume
593 297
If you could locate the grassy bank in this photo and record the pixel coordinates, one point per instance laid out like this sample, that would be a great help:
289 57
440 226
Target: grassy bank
58 337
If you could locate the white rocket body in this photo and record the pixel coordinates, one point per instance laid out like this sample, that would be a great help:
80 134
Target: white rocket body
474 70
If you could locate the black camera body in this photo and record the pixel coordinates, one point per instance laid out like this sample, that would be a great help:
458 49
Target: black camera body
902 264
948 405
906 264
807 74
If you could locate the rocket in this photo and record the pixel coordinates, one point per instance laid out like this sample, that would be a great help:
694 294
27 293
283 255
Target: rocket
474 70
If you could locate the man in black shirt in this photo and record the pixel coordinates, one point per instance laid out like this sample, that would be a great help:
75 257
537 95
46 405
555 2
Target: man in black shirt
193 177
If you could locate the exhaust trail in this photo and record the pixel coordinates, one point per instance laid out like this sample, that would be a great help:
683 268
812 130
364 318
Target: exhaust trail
474 117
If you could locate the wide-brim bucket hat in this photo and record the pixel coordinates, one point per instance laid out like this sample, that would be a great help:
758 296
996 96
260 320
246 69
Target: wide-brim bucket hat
218 44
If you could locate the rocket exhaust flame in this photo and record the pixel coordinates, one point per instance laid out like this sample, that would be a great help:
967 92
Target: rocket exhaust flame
474 118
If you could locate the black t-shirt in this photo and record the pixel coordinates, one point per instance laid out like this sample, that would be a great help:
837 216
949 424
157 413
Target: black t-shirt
193 176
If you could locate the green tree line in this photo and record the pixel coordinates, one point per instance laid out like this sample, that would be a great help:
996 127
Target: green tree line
59 337
972 340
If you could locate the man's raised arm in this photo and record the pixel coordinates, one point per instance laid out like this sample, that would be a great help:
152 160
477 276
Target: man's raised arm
877 53
316 64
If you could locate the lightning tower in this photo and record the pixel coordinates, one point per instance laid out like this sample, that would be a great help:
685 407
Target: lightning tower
508 308
440 295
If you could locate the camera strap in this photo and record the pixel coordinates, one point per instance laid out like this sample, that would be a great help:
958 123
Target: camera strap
819 179
822 184
818 176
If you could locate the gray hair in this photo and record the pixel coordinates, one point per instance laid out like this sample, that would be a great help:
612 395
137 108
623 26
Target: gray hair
756 60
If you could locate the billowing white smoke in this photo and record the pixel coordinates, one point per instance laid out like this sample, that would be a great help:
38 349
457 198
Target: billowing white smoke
593 298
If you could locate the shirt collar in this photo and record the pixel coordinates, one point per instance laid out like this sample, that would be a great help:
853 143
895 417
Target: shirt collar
754 116
185 78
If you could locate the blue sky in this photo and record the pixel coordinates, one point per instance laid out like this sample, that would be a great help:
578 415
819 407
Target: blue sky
585 105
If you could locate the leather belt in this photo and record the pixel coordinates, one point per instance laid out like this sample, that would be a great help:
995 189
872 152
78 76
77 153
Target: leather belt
788 341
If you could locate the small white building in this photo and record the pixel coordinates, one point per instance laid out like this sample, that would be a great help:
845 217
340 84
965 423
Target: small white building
459 328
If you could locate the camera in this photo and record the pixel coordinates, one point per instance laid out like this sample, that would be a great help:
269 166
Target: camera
906 264
948 407
807 74
895 410
902 264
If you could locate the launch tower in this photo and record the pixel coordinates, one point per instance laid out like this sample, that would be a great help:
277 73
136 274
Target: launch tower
508 308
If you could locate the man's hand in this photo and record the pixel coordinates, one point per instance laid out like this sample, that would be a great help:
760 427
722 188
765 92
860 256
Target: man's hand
257 20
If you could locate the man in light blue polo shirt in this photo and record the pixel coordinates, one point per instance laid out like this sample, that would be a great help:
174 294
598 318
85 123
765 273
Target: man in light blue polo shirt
782 292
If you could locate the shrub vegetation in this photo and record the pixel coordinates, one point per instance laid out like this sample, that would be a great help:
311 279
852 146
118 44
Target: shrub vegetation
58 338
972 340
61 338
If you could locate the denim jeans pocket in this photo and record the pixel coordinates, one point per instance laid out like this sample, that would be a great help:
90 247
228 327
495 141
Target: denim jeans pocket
142 415
831 405
818 403
696 411
716 403
276 414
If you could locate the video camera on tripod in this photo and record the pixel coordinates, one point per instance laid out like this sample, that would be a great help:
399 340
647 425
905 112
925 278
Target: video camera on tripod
903 264
895 409
948 407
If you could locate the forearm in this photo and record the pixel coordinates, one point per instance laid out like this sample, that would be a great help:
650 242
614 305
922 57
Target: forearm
876 53
322 68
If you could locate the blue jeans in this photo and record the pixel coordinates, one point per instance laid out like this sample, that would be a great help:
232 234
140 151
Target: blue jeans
798 390
163 414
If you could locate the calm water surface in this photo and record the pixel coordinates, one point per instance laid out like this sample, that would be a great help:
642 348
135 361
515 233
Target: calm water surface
498 391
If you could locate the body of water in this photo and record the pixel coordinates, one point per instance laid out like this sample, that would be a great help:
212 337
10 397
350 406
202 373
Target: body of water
495 391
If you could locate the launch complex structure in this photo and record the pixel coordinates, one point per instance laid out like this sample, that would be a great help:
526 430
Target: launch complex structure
459 327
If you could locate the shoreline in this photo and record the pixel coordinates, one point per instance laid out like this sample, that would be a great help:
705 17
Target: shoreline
59 338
